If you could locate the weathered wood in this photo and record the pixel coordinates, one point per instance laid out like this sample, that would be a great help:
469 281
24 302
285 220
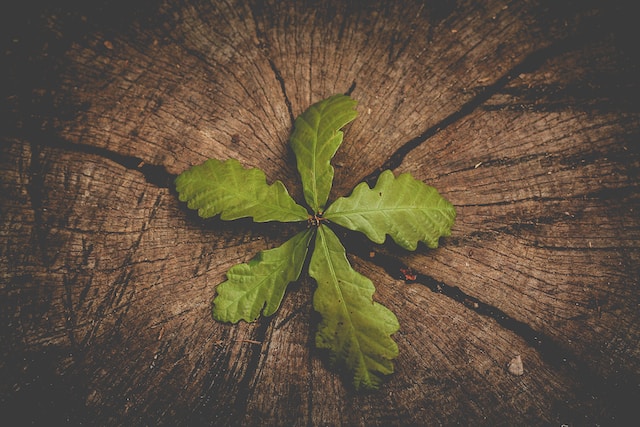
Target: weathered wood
523 114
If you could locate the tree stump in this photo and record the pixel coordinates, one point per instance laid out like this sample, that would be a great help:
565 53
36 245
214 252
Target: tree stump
523 114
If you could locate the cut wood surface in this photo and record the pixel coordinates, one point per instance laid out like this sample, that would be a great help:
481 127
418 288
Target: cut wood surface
525 115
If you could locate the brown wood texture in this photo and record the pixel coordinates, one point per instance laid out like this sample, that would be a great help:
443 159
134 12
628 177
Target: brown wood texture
524 114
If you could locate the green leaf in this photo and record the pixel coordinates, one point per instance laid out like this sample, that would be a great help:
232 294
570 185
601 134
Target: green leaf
226 188
355 329
405 208
315 139
262 282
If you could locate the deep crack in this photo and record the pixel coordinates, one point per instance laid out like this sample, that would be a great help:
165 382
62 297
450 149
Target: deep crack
154 174
529 64
595 387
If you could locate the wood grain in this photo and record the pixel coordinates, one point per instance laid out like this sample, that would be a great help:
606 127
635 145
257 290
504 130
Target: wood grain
523 114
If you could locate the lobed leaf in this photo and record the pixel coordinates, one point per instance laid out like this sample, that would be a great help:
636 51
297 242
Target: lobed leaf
355 329
262 282
226 188
406 209
315 139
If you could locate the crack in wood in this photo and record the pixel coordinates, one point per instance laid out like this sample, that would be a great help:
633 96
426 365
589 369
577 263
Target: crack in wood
112 384
156 175
351 89
304 307
398 270
556 355
530 63
283 89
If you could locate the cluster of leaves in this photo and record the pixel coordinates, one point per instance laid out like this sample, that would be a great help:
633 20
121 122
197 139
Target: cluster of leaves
354 329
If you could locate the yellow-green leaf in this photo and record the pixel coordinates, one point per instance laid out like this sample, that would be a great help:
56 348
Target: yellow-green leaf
261 283
355 329
226 188
408 210
315 139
